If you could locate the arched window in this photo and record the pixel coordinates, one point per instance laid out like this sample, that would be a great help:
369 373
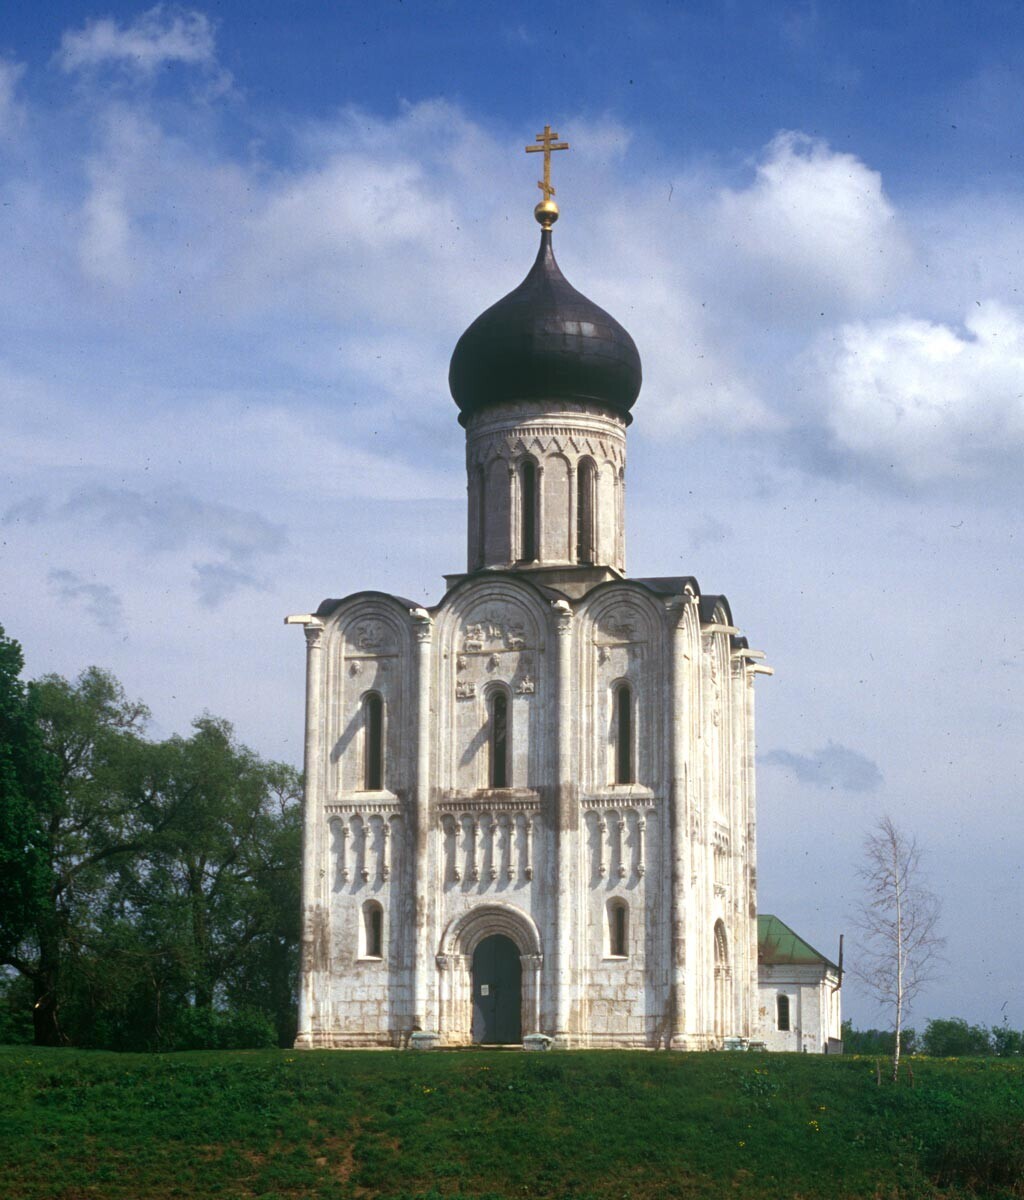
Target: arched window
373 743
585 551
723 983
498 741
618 928
623 734
721 946
481 517
528 511
372 932
782 1013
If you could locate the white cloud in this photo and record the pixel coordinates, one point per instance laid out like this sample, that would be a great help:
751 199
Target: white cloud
929 400
161 36
104 249
11 112
815 228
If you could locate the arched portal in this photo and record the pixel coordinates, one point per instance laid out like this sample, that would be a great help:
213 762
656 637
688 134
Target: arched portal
496 946
497 992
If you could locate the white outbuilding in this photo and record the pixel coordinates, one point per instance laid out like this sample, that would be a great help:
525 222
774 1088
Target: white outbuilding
799 990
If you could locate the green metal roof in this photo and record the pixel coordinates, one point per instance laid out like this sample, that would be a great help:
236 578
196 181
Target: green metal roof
777 943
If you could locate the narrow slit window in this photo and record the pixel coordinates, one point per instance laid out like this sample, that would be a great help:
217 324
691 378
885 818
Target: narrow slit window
624 734
782 1013
499 772
481 518
618 929
373 746
528 512
373 930
585 512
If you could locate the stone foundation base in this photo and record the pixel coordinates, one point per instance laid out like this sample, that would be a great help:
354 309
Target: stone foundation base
692 1042
326 1039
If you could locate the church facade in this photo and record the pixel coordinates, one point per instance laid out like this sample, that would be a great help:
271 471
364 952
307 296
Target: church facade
530 808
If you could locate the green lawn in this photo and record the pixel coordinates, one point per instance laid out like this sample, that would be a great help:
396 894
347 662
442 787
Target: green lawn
492 1124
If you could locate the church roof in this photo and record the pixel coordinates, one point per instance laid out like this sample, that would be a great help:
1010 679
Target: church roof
668 585
545 341
778 945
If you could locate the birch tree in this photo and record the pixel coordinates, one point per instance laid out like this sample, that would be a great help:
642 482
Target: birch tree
898 917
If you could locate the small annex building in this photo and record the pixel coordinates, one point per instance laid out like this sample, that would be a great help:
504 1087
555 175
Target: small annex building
529 807
799 992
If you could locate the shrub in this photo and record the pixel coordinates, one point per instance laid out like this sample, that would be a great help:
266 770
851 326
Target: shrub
1007 1042
954 1038
211 1029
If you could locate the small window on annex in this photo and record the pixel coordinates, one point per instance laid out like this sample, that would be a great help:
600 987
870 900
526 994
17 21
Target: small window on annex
782 1013
498 772
372 931
618 929
373 743
622 732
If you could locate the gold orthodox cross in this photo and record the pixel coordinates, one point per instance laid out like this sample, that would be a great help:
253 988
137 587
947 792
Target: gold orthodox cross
547 141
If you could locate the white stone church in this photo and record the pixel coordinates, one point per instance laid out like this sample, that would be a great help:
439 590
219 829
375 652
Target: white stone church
530 807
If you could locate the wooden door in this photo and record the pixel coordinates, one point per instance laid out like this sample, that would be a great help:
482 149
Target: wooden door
497 992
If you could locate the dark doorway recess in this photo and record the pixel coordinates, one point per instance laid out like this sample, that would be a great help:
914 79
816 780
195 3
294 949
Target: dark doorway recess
497 992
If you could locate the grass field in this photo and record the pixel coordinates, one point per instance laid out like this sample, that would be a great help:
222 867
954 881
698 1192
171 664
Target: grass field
492 1124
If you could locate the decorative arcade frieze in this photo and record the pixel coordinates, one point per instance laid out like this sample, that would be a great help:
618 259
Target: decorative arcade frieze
490 846
617 842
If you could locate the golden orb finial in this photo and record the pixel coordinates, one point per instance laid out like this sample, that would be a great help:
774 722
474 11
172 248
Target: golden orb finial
547 211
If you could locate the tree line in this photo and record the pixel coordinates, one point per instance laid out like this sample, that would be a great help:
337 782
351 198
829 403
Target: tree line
951 1037
149 890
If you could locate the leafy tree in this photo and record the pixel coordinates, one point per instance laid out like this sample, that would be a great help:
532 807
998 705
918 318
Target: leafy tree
876 1041
954 1038
84 823
1007 1042
150 890
27 789
216 888
898 917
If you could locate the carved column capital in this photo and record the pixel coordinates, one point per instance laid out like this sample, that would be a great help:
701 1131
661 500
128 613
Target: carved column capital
423 624
564 616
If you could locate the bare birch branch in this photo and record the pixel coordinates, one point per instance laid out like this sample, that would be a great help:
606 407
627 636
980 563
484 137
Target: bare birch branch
899 948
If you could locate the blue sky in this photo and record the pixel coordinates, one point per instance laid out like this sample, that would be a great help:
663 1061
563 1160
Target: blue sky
239 241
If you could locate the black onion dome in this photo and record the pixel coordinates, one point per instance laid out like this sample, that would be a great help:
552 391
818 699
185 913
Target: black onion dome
545 341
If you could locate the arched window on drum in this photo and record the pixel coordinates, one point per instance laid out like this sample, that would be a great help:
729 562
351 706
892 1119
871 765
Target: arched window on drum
586 539
528 511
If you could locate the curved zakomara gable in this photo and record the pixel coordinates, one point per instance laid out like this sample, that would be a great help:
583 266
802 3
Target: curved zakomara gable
465 932
622 596
373 627
338 616
473 592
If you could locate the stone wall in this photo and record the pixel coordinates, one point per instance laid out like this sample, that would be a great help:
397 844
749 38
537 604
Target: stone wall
546 858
